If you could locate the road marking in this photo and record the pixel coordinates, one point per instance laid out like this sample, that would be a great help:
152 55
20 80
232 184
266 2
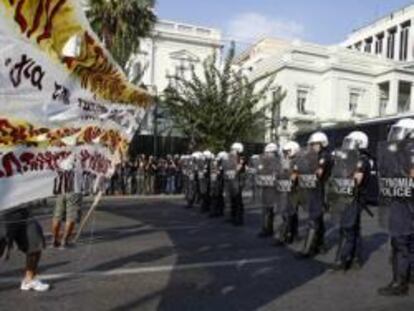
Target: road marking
145 270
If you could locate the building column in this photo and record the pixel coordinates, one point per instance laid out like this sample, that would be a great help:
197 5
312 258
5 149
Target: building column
410 45
392 107
385 44
397 43
412 98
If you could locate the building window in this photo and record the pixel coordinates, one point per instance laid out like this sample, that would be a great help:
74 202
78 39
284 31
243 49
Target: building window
302 98
383 101
358 46
353 102
379 44
368 45
183 69
404 35
391 43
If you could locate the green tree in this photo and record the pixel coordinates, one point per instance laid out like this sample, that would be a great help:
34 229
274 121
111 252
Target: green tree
221 106
120 24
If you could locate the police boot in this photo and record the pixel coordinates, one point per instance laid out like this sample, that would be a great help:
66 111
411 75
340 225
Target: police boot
358 258
309 248
269 221
320 237
339 265
399 284
220 206
267 230
293 223
239 215
395 288
281 240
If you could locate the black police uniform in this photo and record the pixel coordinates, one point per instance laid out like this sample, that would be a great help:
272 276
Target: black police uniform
349 247
401 229
217 192
237 206
316 206
288 230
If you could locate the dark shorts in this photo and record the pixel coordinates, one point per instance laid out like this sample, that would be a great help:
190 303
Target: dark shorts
20 229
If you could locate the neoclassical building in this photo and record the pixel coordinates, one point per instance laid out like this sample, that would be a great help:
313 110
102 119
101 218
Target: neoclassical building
368 76
173 49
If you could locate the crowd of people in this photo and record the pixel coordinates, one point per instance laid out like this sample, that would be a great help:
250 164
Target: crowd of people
147 175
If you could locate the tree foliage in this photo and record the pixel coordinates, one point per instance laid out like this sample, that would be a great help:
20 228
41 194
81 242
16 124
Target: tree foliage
120 24
222 105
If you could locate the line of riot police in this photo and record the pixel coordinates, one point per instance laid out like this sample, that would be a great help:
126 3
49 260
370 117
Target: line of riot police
289 178
209 179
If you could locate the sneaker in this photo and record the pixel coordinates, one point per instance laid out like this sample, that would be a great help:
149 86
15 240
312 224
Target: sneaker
35 284
55 244
66 245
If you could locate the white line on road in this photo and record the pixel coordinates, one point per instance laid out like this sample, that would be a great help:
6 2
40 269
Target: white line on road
157 269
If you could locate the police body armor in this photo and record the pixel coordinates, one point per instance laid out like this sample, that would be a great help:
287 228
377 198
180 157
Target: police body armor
342 189
266 179
396 186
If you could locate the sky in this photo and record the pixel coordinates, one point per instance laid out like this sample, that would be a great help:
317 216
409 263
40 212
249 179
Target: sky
246 21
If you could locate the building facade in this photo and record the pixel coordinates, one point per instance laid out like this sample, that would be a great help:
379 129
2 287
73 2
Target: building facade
390 37
327 85
174 49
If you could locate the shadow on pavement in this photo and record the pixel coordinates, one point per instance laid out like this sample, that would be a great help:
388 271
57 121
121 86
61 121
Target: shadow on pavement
233 287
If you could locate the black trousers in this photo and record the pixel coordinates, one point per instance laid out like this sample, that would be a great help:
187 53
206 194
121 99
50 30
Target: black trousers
237 209
402 257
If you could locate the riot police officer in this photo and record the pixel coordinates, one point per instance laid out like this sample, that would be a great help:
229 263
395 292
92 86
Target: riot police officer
396 171
234 174
265 181
193 191
350 180
252 172
286 185
217 185
320 163
204 180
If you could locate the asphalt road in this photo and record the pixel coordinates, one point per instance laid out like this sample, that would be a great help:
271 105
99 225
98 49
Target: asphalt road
153 254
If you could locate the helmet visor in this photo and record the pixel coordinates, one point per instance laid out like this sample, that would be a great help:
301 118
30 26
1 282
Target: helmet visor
349 144
397 133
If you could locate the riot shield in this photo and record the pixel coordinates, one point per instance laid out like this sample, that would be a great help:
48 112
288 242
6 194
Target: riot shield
215 178
341 185
202 175
231 177
266 177
395 182
251 179
305 165
283 180
286 197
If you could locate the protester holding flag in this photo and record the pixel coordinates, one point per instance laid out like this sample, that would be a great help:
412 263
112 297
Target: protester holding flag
68 203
